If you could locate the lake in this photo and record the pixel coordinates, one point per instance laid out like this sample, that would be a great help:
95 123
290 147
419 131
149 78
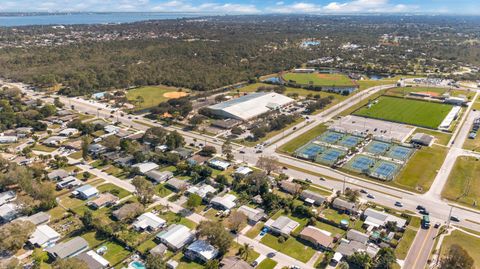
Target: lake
89 18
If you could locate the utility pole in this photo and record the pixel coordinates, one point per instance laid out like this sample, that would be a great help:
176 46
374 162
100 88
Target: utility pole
344 181
449 216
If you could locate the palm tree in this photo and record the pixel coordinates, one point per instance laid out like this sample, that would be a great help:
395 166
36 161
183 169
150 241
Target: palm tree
244 251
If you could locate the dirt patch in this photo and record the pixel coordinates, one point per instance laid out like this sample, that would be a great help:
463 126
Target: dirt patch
175 94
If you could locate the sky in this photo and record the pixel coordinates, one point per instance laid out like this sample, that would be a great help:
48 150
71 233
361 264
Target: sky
249 6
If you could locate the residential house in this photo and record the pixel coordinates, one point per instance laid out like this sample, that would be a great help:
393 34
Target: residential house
203 190
283 225
38 218
232 262
357 236
319 238
345 206
201 250
219 164
184 153
347 248
85 192
93 260
96 149
111 129
8 139
104 199
145 167
176 236
243 171
225 202
67 132
177 184
312 197
53 141
124 161
68 249
159 249
377 218
68 182
254 215
44 236
57 174
290 187
159 176
127 211
8 212
7 196
148 221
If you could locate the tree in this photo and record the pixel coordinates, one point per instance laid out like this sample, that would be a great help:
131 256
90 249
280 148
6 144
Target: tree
193 201
13 235
268 163
352 195
155 261
208 151
87 220
227 149
236 130
196 120
244 251
212 264
70 263
385 259
111 142
216 235
85 143
360 260
236 220
457 258
86 175
144 189
343 265
57 102
174 140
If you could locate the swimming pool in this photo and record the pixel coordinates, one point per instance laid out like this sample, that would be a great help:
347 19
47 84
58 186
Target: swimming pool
137 265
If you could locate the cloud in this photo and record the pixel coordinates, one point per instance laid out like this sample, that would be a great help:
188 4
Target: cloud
209 7
354 6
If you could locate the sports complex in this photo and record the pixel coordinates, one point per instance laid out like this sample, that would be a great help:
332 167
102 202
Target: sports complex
358 153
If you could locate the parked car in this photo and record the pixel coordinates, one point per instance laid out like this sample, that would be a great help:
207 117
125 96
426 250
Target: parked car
436 225
370 196
241 151
399 204
363 191
454 218
308 180
419 207
254 264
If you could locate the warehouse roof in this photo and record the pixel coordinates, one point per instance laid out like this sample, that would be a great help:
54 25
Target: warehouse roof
251 105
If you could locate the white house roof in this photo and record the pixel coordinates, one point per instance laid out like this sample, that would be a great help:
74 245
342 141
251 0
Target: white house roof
145 167
219 163
204 249
7 211
243 170
227 201
68 131
7 196
251 105
202 190
111 128
377 218
176 235
148 220
43 234
284 224
87 190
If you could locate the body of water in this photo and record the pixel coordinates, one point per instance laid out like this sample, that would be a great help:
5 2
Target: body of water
88 18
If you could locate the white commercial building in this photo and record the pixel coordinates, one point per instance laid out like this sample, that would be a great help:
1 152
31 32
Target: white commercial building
451 116
251 105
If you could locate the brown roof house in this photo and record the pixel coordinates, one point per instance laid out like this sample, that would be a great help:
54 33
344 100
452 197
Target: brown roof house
319 238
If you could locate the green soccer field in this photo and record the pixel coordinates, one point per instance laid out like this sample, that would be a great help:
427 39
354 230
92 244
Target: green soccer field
319 79
414 112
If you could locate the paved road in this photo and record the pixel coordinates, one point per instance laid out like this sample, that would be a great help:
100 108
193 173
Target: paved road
421 248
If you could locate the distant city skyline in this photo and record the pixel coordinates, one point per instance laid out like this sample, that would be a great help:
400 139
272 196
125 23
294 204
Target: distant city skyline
247 6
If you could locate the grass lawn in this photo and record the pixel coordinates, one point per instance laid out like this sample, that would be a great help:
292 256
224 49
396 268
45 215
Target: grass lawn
184 263
92 239
116 172
409 111
57 213
269 134
405 243
115 253
467 242
267 264
404 91
150 95
421 169
255 230
146 246
302 139
329 228
463 185
109 187
162 191
76 155
319 79
291 247
440 137
234 250
171 217
472 144
70 202
40 147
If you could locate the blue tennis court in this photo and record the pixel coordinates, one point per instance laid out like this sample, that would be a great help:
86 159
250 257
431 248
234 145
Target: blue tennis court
400 153
350 141
377 147
330 156
360 163
331 137
310 151
385 170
